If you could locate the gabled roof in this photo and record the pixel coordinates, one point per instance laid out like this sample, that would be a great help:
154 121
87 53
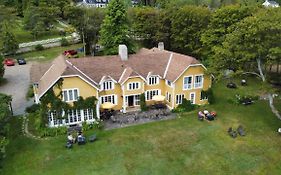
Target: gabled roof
146 62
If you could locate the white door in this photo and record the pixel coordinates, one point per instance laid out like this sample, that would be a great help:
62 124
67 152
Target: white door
192 97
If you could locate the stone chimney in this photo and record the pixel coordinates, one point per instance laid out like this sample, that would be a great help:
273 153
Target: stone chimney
161 46
123 52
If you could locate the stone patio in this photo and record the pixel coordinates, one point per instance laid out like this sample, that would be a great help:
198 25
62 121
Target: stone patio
120 120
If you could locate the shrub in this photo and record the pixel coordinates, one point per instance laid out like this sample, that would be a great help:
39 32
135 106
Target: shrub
51 132
39 47
30 92
142 103
64 42
186 106
210 95
86 126
33 108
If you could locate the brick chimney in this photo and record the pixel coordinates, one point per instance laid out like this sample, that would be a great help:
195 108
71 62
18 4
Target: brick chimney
161 46
123 52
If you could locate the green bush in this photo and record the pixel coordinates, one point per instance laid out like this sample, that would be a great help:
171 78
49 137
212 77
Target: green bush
30 92
210 95
39 47
186 106
142 103
51 132
64 42
86 126
33 108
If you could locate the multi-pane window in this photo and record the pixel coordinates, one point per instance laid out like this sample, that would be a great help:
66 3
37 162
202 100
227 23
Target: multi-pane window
137 100
108 98
168 96
108 85
203 95
179 98
151 93
187 82
70 95
133 86
88 114
198 81
153 80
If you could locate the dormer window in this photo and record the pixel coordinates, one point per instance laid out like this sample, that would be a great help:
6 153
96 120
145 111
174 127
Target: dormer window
107 85
153 80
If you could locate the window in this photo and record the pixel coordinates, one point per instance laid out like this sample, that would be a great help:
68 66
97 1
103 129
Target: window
151 93
88 114
70 95
204 95
137 100
192 98
108 85
187 82
108 98
168 96
133 86
179 98
198 82
153 80
169 83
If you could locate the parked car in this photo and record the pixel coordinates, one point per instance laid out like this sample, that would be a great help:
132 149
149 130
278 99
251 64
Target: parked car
9 62
21 61
70 52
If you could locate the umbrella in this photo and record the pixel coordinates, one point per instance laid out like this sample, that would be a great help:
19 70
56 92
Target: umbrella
107 105
158 98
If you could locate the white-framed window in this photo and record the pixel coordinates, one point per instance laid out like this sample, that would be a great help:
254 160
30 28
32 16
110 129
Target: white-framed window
203 95
179 98
169 83
151 93
153 80
168 96
192 97
88 114
108 85
198 81
133 86
187 82
109 98
69 95
137 100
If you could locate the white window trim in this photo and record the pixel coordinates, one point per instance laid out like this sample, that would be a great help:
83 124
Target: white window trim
133 83
192 79
157 80
202 81
134 99
181 99
112 87
114 96
167 96
194 97
159 93
78 94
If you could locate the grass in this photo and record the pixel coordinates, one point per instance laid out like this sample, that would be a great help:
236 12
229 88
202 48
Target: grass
180 146
23 35
47 54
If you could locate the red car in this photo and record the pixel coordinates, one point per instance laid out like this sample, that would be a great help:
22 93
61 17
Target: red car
70 52
9 62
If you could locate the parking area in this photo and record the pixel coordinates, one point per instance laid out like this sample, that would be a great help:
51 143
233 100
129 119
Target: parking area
18 80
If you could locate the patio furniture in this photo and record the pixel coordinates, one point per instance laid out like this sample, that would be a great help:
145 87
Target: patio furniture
241 131
68 145
81 140
232 132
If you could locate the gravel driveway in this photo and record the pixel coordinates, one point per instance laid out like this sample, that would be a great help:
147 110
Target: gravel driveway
18 81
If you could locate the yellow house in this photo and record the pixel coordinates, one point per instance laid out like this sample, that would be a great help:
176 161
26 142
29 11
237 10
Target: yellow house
121 79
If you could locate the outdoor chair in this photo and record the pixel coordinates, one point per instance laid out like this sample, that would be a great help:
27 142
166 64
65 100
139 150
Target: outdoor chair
81 140
68 145
241 131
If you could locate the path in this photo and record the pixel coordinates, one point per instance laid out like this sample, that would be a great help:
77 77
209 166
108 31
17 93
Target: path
26 132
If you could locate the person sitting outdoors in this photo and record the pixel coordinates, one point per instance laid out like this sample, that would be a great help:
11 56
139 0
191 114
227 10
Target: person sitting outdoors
81 139
201 116
70 138
206 112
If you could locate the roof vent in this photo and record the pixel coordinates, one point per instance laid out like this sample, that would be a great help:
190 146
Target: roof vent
123 52
161 46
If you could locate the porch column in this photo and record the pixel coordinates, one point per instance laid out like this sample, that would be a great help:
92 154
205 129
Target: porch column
124 100
98 109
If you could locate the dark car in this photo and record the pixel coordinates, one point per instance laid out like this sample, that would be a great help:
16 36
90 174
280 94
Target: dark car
21 61
70 52
9 62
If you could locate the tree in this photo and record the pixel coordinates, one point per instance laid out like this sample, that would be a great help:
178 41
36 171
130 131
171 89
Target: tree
115 29
88 23
220 23
248 47
10 44
2 68
188 23
5 114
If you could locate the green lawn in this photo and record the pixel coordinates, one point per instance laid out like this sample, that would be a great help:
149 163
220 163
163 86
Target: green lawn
48 54
180 146
23 35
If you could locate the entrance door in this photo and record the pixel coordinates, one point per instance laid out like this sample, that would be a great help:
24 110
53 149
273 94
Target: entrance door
192 97
131 101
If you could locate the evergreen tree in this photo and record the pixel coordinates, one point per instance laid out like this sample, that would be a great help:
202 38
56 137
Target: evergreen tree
10 44
114 30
